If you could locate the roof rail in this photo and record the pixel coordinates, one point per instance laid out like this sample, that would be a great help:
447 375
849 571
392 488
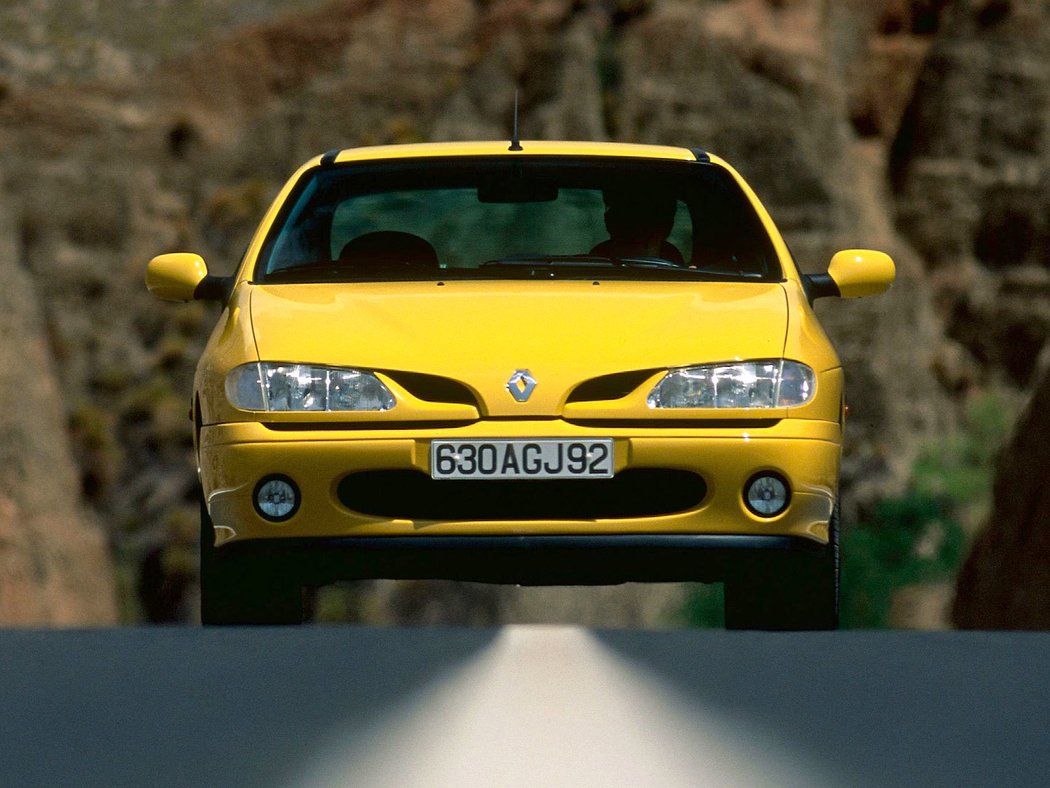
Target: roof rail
701 155
329 158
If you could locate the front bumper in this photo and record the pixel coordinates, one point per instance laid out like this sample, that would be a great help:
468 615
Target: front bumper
233 457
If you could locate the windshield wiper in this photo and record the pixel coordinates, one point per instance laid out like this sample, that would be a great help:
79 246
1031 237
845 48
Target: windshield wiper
581 261
309 272
513 266
325 272
647 262
554 261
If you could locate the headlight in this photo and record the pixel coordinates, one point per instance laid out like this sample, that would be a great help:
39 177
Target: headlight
305 387
748 384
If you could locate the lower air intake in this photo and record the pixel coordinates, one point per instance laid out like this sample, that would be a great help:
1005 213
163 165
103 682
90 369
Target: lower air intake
411 495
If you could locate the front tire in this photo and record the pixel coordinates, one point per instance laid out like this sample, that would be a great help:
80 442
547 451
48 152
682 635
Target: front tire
241 589
786 591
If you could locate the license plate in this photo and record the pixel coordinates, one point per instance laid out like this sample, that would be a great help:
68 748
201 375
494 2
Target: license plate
545 458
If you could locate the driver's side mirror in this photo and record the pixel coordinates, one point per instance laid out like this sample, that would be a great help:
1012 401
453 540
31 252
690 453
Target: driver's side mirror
182 276
853 273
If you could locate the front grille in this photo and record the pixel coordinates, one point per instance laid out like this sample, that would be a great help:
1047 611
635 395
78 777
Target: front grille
411 495
434 388
609 387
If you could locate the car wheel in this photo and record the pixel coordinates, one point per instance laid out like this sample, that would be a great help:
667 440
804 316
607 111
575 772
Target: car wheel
786 592
239 589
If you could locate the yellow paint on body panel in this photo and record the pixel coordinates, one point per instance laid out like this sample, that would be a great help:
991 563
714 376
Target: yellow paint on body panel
476 334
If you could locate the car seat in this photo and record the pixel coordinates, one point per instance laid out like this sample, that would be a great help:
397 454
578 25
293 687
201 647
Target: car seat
389 249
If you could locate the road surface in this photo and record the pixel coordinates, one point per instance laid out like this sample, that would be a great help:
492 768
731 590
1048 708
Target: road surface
522 706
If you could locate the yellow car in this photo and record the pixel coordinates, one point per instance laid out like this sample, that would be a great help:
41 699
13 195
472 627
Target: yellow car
536 363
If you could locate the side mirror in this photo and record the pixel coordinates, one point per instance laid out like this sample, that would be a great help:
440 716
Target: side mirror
853 273
183 276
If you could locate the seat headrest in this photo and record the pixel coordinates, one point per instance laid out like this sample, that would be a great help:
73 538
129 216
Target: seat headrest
389 248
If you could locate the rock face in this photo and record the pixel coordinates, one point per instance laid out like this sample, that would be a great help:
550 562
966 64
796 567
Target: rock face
182 148
971 171
1005 583
970 168
54 560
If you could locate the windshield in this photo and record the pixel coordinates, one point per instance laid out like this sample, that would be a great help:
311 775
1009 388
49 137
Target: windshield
517 218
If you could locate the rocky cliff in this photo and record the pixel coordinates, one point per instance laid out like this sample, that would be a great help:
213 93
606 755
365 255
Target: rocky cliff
970 167
55 566
1005 583
143 148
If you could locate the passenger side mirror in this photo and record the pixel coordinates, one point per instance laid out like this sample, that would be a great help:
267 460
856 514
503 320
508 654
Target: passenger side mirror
853 273
182 276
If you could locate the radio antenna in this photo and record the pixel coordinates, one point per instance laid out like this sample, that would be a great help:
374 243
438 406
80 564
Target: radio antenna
515 141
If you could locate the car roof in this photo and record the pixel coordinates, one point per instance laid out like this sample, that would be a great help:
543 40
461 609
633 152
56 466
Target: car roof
427 150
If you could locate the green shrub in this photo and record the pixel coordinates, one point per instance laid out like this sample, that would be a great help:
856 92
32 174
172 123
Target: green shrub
922 537
704 606
912 539
960 468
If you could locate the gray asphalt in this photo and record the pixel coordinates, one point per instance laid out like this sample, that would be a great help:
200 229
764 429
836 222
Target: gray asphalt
522 706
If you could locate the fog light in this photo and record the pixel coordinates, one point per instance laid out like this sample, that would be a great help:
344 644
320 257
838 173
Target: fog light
767 494
276 498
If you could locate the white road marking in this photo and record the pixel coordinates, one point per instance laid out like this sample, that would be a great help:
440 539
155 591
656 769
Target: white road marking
552 706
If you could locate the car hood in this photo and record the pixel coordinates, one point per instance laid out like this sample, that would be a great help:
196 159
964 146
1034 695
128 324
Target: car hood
480 333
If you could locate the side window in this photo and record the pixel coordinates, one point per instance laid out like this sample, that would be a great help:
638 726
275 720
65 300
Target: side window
728 235
302 238
681 235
